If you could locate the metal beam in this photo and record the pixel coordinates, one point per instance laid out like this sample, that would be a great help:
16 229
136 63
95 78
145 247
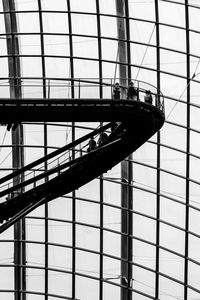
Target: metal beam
45 146
187 175
157 276
73 155
126 170
17 140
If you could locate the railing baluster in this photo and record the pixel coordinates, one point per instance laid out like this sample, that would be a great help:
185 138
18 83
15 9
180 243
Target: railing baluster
58 164
34 183
111 89
79 89
49 87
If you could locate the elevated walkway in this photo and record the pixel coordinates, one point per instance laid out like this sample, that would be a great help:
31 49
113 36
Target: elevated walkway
69 110
72 166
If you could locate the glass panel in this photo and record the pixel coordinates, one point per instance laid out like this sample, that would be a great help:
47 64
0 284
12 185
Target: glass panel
144 228
59 283
7 280
87 238
146 154
194 246
86 25
111 291
170 289
112 190
172 238
108 27
35 254
112 218
30 5
35 229
89 191
60 209
173 62
194 166
60 232
172 212
193 274
142 10
87 6
194 194
172 186
173 161
168 37
111 270
35 280
144 176
87 287
144 254
171 134
178 16
195 111
55 22
60 258
104 6
194 221
87 212
144 202
172 265
87 263
52 5
28 22
56 45
30 45
112 248
144 281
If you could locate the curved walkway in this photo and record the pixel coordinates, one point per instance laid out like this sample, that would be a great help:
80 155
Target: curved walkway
136 123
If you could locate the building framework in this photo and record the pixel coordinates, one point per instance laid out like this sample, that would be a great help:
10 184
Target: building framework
78 247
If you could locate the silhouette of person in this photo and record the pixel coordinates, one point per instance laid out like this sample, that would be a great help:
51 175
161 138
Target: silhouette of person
132 91
92 144
9 126
102 137
113 126
148 97
116 91
12 125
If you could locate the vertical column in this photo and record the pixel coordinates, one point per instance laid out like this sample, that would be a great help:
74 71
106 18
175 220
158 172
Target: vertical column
126 167
158 157
19 227
122 49
101 179
129 165
73 138
46 288
187 215
17 141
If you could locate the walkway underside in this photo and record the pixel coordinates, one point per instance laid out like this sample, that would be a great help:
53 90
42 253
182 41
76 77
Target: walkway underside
69 110
137 122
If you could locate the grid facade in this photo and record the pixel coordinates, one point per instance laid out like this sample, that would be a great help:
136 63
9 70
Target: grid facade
73 247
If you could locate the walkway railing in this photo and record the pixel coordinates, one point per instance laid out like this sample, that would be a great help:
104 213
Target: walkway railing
57 162
72 166
78 88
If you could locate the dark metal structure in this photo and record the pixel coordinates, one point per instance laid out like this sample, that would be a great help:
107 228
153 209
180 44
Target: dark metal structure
77 171
131 233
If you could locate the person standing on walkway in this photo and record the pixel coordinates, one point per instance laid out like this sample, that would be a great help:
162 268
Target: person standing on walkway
92 144
132 92
148 97
116 91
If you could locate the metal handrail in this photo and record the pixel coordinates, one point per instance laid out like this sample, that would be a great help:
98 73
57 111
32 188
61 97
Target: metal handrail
80 83
56 155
